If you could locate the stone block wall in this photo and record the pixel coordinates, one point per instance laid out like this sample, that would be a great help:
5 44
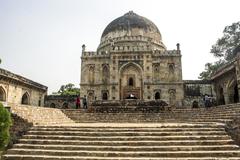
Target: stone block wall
40 115
194 90
14 93
61 101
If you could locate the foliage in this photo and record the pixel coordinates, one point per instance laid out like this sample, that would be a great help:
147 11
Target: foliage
68 89
5 123
226 45
210 68
225 49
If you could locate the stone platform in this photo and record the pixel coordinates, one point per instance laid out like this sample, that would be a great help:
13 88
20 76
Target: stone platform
179 134
125 141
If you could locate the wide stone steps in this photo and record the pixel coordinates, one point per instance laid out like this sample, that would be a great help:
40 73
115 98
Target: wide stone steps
221 114
127 138
129 129
148 120
128 148
163 133
227 153
125 141
47 157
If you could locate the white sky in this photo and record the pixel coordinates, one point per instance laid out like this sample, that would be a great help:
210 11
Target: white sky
42 39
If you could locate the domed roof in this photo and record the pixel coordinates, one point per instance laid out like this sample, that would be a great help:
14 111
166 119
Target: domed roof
131 20
131 28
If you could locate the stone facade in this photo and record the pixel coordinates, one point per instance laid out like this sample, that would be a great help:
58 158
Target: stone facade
61 101
194 91
132 60
19 90
226 82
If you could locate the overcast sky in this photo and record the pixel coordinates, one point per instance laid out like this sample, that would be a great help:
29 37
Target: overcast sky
42 39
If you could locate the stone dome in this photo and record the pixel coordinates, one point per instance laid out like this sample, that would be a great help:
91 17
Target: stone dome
132 26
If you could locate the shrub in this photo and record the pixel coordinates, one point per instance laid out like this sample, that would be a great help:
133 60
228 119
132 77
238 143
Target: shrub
5 123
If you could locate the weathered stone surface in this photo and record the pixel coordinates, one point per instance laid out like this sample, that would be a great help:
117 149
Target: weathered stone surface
132 61
19 127
126 141
40 115
14 88
61 101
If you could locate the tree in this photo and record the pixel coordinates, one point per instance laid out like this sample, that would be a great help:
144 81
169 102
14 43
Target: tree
5 123
225 49
68 89
226 45
210 68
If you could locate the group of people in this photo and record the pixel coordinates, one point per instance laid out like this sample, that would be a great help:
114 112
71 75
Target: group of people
78 102
208 101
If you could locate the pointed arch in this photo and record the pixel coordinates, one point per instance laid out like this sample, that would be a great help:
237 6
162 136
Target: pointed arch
105 95
52 105
131 64
91 74
130 82
26 98
105 73
157 95
2 94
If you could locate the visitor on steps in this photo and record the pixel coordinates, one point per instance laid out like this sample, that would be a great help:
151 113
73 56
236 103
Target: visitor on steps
78 103
206 101
84 102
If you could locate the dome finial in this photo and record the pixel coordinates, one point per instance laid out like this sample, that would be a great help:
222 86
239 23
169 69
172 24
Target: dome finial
130 13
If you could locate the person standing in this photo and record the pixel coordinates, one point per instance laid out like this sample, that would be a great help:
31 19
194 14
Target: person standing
78 103
207 101
84 102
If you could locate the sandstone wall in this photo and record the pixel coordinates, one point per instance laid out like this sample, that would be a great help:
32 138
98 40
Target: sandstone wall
14 93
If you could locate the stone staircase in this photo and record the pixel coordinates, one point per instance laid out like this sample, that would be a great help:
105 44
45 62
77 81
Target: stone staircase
144 141
183 134
220 114
40 115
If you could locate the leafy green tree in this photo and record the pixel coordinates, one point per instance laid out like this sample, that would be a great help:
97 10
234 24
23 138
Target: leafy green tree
5 123
210 68
68 89
226 45
225 49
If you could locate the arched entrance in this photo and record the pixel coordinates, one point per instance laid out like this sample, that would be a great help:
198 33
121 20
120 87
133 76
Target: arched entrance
26 98
236 94
130 81
221 97
65 105
232 90
157 95
52 105
2 94
104 96
90 96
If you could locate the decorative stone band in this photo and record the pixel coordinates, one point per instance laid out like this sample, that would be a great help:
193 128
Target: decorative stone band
4 74
130 39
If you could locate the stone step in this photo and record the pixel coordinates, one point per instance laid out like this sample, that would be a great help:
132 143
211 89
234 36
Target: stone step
152 121
133 125
127 129
222 113
146 119
47 157
226 153
130 143
127 133
128 138
128 148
